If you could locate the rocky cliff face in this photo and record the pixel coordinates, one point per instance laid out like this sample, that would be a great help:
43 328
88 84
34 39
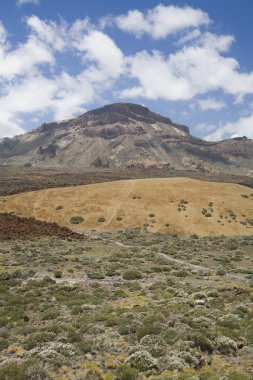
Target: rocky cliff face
121 135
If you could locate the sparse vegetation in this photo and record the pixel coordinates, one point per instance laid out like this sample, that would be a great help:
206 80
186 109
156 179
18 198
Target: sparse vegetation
76 220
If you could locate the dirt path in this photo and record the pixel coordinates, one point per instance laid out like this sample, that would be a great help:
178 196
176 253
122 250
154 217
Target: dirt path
198 267
128 187
172 259
72 280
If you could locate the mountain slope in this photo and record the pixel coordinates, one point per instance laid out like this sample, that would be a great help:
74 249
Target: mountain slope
125 134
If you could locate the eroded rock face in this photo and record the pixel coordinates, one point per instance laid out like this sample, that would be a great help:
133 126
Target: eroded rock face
125 135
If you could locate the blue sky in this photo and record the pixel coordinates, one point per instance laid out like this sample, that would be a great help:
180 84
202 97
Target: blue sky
189 60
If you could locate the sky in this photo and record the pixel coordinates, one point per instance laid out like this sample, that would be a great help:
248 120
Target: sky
191 61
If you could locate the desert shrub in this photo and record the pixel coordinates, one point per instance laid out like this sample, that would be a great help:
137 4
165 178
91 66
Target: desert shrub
37 371
93 375
132 275
58 274
96 276
141 360
202 322
229 320
37 339
220 272
199 296
85 346
148 329
119 293
172 362
128 373
59 208
225 345
151 215
76 220
74 337
118 218
171 335
13 371
180 273
101 219
49 314
24 371
4 343
238 376
202 342
154 345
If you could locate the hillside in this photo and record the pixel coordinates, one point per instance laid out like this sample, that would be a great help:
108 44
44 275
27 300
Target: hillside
125 135
175 205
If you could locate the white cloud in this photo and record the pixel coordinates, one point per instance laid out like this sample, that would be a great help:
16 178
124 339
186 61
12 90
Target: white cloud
188 37
100 48
24 58
53 35
23 2
242 127
205 127
155 79
161 21
32 81
211 104
61 69
193 70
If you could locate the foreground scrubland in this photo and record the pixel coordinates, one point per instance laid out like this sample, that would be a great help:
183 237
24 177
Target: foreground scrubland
127 305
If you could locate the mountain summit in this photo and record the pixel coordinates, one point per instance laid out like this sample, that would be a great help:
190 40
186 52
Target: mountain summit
125 134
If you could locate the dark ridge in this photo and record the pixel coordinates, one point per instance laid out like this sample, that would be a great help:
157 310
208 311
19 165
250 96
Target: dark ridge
125 112
15 227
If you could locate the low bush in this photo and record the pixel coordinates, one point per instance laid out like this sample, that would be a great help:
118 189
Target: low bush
76 220
132 275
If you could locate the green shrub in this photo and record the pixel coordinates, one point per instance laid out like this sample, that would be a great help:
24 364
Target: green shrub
3 344
76 220
59 208
85 347
128 373
49 314
151 215
101 219
147 329
202 342
225 345
132 275
141 360
13 371
96 276
58 274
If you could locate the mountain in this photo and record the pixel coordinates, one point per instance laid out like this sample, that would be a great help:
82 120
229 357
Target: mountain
125 135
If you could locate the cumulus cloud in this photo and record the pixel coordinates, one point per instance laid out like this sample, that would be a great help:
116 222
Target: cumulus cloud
211 104
62 69
23 2
192 70
99 47
241 127
32 81
161 21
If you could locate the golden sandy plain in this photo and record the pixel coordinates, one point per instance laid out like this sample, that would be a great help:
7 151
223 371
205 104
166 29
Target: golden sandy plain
133 201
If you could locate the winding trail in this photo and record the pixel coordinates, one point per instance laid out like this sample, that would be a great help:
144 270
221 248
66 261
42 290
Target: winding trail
194 266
